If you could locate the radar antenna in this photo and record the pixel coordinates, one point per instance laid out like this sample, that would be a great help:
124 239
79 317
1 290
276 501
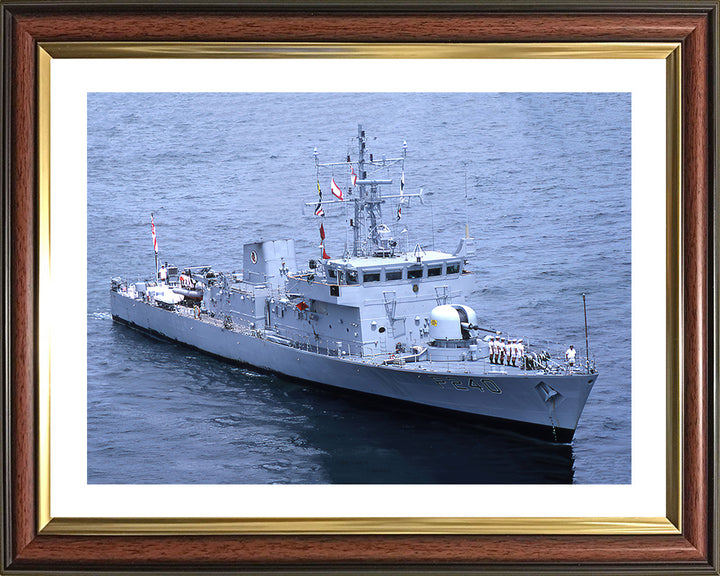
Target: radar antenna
369 232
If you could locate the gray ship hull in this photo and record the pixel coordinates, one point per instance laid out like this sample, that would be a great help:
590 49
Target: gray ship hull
547 405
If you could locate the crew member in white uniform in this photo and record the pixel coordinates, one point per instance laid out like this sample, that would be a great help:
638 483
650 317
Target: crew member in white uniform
513 352
521 351
570 356
491 350
163 274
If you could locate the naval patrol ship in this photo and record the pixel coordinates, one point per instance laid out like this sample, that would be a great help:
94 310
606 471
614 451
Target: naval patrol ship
379 320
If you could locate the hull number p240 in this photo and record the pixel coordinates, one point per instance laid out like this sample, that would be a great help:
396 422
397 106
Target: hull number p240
481 384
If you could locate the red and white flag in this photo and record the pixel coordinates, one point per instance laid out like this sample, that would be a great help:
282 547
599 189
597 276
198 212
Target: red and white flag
353 176
335 189
325 254
152 228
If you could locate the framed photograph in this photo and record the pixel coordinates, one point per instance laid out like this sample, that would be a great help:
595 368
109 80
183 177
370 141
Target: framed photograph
196 196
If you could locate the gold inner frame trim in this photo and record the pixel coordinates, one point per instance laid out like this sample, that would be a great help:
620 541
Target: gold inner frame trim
674 311
615 50
356 525
383 526
43 396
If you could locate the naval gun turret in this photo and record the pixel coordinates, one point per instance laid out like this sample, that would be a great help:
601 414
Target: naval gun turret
450 334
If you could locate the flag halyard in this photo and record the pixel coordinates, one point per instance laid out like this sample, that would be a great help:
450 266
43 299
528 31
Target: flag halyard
322 242
335 189
152 229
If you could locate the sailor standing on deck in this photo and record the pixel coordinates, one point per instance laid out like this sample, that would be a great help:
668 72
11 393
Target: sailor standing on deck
502 350
520 347
162 274
570 357
513 352
491 350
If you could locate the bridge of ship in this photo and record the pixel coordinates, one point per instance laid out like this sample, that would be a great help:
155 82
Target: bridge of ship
371 270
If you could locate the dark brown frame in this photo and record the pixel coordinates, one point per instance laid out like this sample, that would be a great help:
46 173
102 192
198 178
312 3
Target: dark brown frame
692 23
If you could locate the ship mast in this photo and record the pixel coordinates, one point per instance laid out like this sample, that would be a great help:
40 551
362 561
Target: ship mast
368 206
362 174
368 200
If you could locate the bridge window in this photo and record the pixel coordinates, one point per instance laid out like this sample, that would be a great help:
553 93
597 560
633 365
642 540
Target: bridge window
331 273
453 268
415 273
371 276
434 271
352 277
393 274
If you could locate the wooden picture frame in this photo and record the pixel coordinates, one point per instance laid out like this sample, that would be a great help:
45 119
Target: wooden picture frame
691 547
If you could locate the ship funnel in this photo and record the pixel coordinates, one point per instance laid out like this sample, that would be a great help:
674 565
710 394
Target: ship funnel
264 262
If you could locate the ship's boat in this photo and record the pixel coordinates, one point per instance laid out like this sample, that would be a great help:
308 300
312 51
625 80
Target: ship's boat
379 320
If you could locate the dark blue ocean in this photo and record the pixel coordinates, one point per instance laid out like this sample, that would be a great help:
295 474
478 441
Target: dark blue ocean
548 201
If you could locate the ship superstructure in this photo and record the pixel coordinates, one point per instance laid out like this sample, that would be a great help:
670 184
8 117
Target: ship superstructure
379 320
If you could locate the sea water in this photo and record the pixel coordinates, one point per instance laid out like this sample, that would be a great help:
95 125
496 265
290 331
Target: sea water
542 181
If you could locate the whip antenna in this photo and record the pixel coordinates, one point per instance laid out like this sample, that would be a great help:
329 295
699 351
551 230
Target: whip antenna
467 220
587 349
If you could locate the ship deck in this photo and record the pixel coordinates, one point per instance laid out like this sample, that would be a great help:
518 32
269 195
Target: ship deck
480 366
